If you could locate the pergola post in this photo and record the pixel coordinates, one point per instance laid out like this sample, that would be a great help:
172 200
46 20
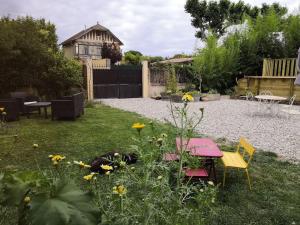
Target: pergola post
89 79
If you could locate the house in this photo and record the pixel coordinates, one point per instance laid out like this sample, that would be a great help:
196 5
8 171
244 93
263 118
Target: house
88 43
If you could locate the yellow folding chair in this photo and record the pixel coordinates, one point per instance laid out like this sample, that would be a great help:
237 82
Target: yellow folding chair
238 160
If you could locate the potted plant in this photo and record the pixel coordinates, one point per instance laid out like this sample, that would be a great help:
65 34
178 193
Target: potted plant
196 95
177 97
212 95
165 95
228 94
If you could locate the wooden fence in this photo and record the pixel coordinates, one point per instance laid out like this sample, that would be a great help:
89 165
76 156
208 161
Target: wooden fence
278 76
280 67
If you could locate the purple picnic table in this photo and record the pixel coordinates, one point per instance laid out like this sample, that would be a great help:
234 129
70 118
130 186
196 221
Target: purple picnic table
202 147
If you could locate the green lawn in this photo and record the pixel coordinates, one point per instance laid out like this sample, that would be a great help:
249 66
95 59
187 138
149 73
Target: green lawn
275 198
98 131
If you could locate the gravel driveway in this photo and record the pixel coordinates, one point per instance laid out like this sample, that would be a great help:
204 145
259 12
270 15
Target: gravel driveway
230 119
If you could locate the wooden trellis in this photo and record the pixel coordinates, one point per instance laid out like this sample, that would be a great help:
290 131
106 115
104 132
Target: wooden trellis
280 67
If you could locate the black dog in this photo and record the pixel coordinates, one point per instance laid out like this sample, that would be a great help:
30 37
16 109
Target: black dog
110 159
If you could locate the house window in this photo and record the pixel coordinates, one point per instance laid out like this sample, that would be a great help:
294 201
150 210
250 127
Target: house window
94 50
86 50
83 50
91 50
98 50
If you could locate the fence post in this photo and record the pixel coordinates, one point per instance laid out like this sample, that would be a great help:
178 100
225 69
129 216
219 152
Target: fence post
264 72
89 79
145 79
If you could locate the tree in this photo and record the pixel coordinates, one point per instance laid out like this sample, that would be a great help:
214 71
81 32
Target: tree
270 35
261 40
28 57
136 53
133 57
112 52
291 32
182 55
276 7
63 74
153 59
217 16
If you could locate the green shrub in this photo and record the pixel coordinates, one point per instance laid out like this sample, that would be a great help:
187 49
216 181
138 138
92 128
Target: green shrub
30 58
213 91
291 32
171 83
216 65
261 40
269 35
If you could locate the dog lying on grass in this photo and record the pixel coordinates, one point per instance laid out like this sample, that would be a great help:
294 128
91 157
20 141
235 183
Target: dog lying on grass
113 159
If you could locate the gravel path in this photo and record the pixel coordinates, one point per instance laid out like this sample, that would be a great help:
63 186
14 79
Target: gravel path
230 119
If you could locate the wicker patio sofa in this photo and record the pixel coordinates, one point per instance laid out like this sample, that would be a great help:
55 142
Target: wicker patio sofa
24 98
69 107
11 107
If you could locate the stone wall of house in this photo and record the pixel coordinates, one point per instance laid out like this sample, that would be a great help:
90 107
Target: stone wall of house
69 51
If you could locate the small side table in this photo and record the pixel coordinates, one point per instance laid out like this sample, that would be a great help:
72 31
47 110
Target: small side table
205 148
40 105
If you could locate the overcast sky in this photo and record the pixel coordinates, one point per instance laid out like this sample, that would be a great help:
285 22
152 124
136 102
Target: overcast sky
153 27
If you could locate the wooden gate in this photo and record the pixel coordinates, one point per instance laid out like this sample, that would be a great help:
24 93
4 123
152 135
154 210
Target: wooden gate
118 82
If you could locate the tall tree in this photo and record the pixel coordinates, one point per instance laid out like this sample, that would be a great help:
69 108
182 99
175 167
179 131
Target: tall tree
133 57
29 57
217 16
112 52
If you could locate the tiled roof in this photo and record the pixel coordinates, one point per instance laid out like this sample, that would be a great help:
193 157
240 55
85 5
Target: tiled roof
83 32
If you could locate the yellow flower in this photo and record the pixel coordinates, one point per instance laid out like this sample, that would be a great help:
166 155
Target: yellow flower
35 145
120 190
56 158
89 177
106 167
2 109
138 126
187 98
82 164
27 199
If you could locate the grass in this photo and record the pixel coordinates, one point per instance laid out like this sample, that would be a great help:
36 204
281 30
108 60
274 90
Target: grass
275 197
100 130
